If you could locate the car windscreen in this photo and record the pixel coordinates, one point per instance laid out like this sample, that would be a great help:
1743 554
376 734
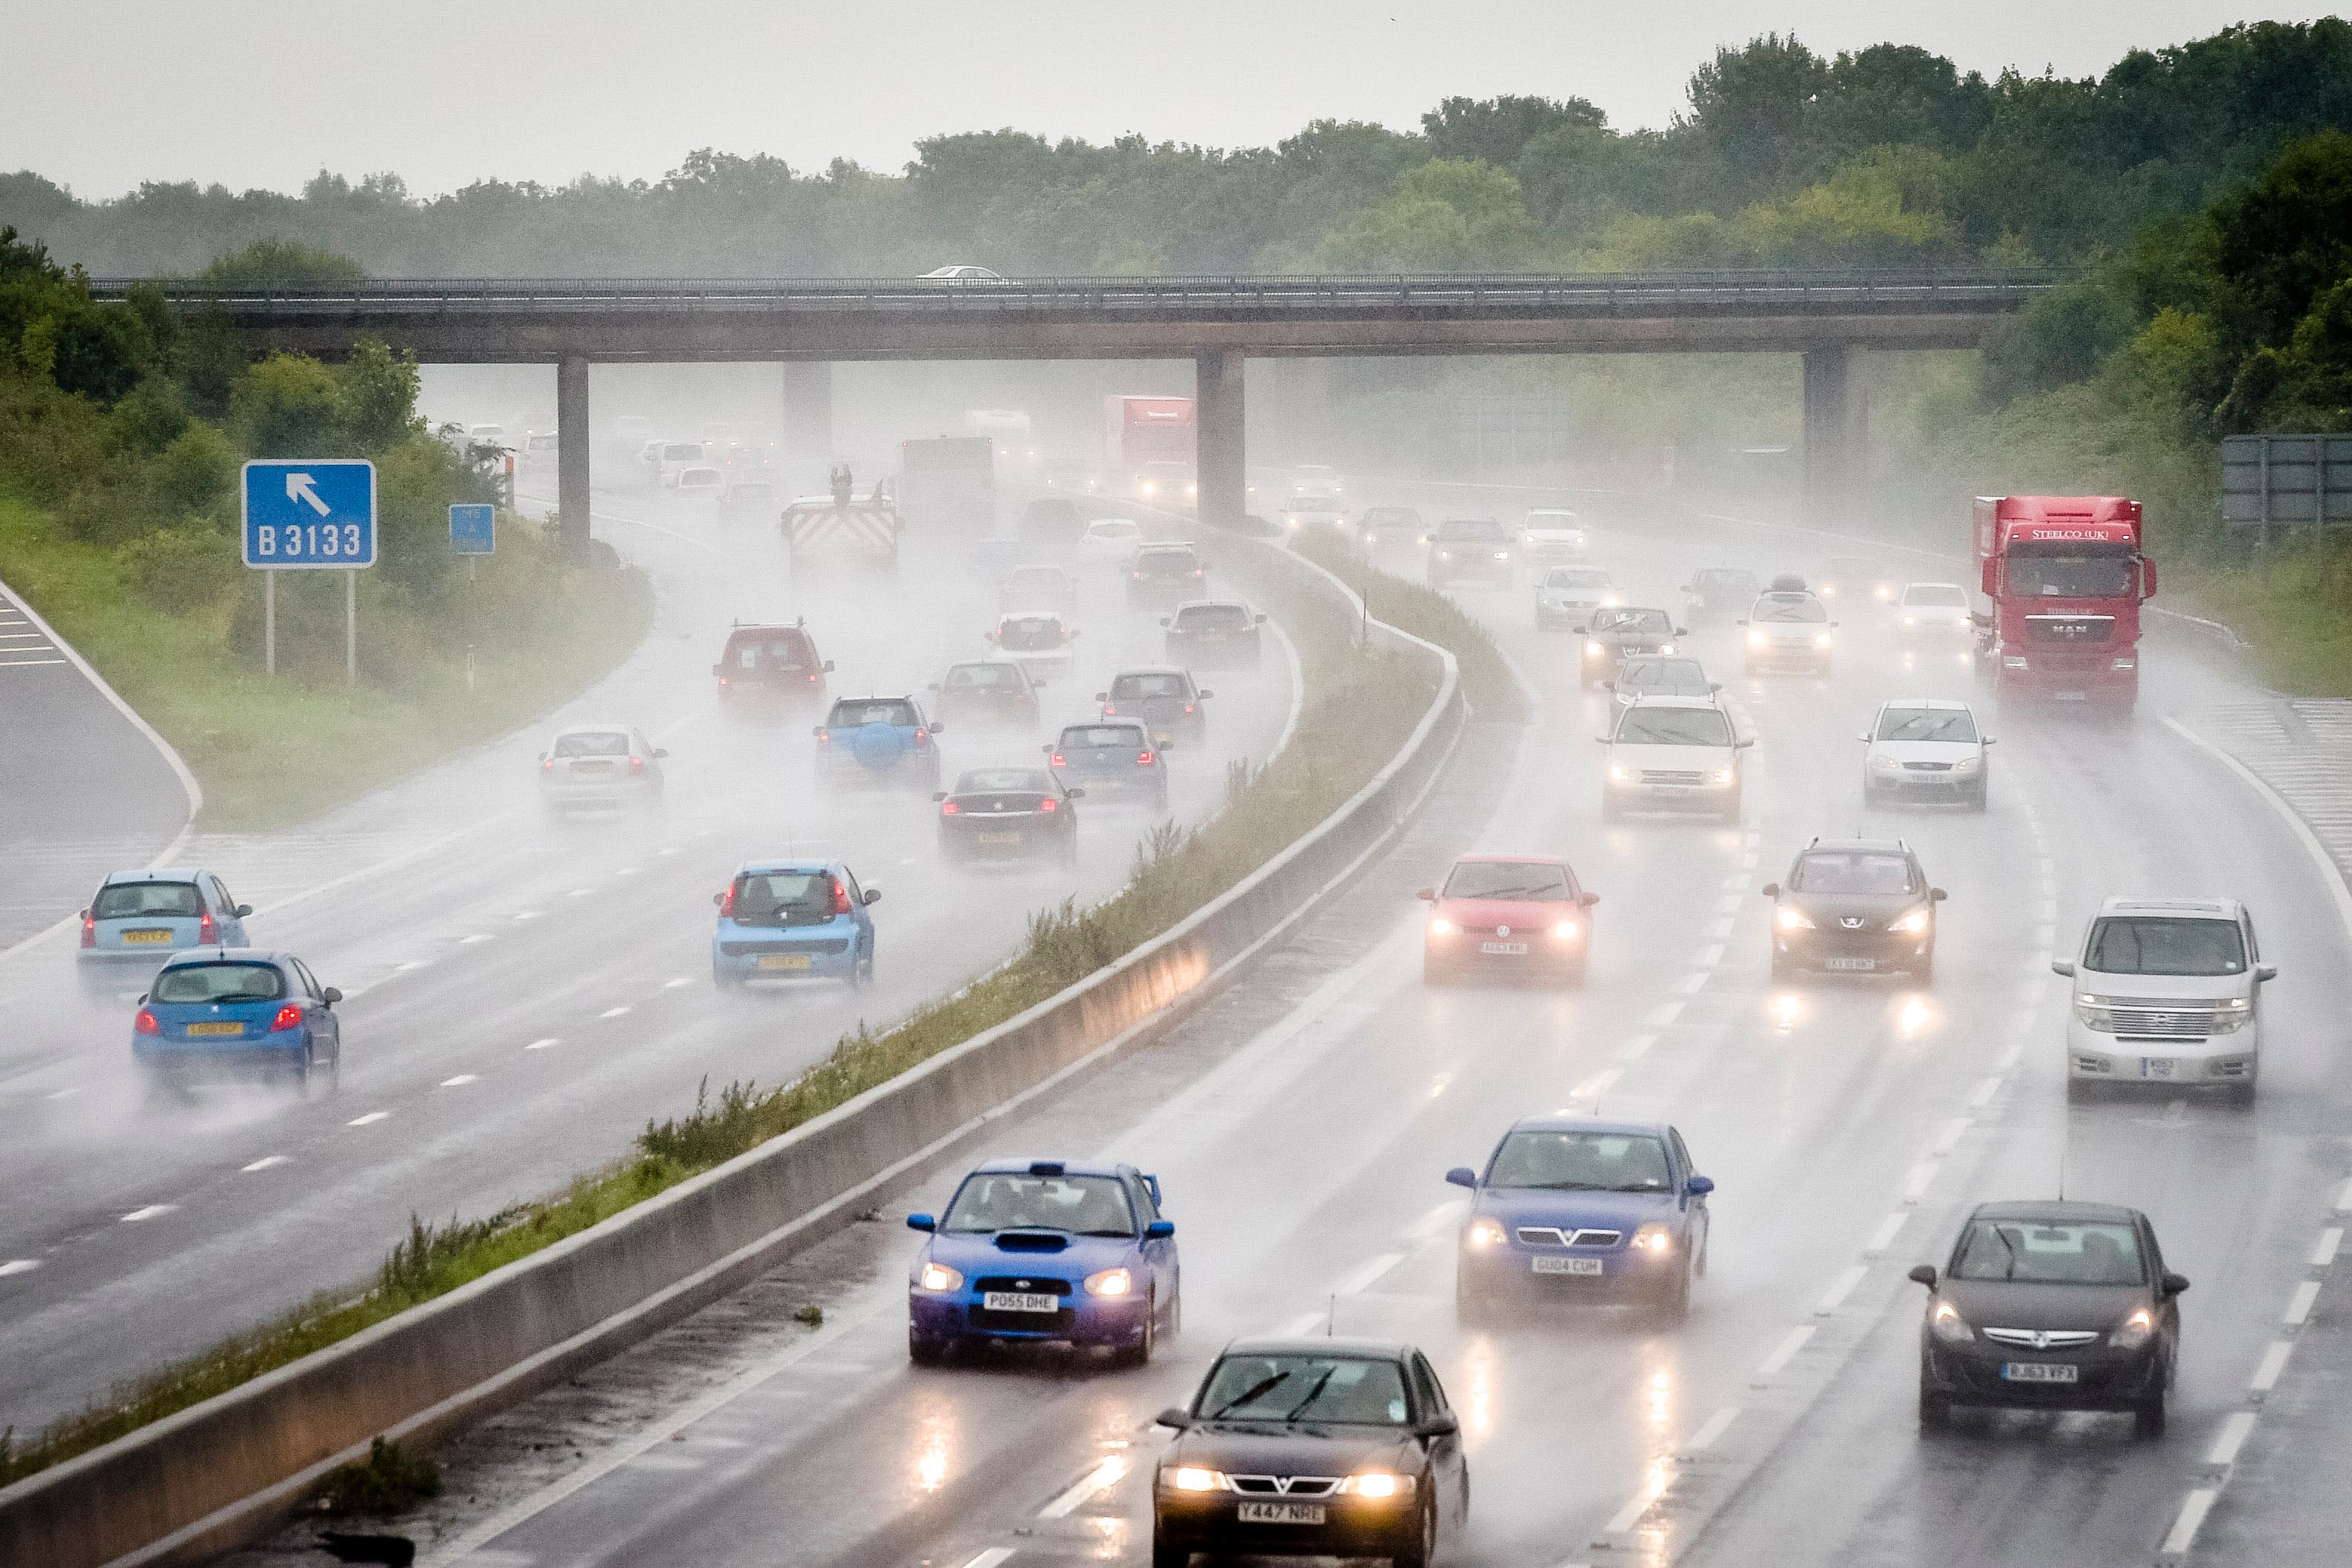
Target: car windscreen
986 677
1079 737
1580 1162
1005 781
702 479
782 897
1322 1389
1941 595
1212 618
1663 675
1508 879
201 982
593 743
1808 610
1674 727
2070 570
1019 1200
1852 871
1926 724
1031 635
849 714
1470 531
2070 1254
1576 577
1135 688
2122 945
1641 623
130 900
681 452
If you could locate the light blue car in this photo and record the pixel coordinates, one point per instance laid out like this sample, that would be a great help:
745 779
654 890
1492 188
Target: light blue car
138 919
794 919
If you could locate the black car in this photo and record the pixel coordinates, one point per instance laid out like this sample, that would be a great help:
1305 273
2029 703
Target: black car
1476 548
765 666
1214 633
1014 813
1719 594
1857 906
1165 698
1312 1447
988 691
1161 574
2051 1306
1613 635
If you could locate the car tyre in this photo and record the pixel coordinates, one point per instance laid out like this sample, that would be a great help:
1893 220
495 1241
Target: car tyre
1673 1301
1935 1407
1923 972
1139 1354
1169 1554
1783 970
723 979
1420 1550
1434 973
926 1349
2147 1416
1731 806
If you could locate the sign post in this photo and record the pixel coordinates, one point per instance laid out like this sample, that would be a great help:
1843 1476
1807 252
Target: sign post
316 514
474 533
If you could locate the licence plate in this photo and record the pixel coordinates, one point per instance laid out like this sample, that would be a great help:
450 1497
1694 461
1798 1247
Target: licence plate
783 960
1281 1513
2040 1371
1853 964
1000 838
1582 1266
216 1028
1019 1301
2157 1067
130 937
1503 947
2066 697
591 767
1220 637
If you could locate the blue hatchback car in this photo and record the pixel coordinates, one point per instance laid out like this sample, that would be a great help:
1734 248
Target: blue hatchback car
1572 1207
877 740
138 919
1046 1250
792 920
238 1013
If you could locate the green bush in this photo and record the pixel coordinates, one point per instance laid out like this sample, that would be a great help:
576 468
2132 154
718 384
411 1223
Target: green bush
386 1482
183 569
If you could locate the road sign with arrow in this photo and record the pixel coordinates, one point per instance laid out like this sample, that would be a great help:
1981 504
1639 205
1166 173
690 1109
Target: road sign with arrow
316 512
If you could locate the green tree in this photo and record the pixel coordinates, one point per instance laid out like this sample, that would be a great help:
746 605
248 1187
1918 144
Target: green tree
1498 129
375 392
1750 106
288 406
1449 214
281 263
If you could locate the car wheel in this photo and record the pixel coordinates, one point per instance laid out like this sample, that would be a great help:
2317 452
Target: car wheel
1140 1354
1781 968
1433 972
2245 1093
1731 807
1674 1300
1976 799
1923 972
1169 1554
2147 1416
1935 1407
722 978
1419 1549
926 1349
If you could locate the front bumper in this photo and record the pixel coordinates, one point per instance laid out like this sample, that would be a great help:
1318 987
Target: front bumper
2106 1378
1835 951
1950 784
1507 1272
2212 1060
1635 795
1116 1321
1542 953
1353 1526
1787 656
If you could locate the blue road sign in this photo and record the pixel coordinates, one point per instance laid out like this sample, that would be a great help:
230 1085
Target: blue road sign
473 529
316 512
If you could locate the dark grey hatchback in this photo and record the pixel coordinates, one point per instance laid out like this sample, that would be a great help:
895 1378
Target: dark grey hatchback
1312 1447
2051 1306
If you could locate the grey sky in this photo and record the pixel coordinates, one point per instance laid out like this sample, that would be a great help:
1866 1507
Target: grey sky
106 93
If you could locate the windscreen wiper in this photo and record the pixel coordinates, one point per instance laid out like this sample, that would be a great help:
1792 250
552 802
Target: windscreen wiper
1263 1386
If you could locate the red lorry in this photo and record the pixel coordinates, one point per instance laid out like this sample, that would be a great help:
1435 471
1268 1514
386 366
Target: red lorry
2060 581
1148 441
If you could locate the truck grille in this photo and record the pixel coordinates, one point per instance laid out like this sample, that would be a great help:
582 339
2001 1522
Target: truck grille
2069 628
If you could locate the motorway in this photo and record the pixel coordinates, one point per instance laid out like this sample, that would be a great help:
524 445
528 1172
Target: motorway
522 994
1301 1125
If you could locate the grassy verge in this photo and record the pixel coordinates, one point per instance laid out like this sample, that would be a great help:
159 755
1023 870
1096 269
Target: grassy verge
1359 710
1486 680
271 753
2295 611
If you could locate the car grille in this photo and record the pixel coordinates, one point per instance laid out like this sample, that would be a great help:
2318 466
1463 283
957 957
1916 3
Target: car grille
1026 1286
2160 1020
830 946
986 1322
1555 1236
1929 767
1285 1486
1671 776
2044 1339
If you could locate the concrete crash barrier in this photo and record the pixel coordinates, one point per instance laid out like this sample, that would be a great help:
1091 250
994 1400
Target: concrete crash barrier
233 1470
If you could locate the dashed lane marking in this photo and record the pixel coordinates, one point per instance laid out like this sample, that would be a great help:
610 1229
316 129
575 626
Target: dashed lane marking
2324 1255
1663 1014
1984 1093
153 1211
1840 1290
1716 1426
1883 1237
268 1162
1951 1133
2299 1305
2344 1198
991 1558
614 1011
673 985
1100 1478
2273 1364
543 1045
1783 1353
2193 1509
18 1266
460 1082
2231 1437
1923 1177
1304 1324
477 936
370 1119
1371 1272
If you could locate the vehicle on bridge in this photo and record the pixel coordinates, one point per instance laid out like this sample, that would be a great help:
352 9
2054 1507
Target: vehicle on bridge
1052 523
1576 1209
1112 759
232 1013
792 920
1477 548
1507 917
1788 628
2060 582
1163 575
2051 1306
1616 633
1215 634
878 741
1008 814
966 273
1719 594
1380 526
703 481
1169 482
842 526
1673 753
769 666
1165 698
599 765
137 920
1855 906
1319 1447
2168 992
988 691
1315 479
1031 1251
1926 748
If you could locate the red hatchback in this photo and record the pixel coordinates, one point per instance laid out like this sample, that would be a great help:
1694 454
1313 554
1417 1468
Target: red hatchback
1502 915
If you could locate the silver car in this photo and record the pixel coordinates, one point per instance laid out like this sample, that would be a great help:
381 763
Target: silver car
599 765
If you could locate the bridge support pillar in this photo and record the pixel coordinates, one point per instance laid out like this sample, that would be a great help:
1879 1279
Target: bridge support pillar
571 449
808 425
1220 461
1837 428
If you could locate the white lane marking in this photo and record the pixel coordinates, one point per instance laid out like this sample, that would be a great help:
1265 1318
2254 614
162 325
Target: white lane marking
266 1162
1723 927
1840 1290
153 1211
2324 1255
2193 1509
1301 1326
543 1045
2008 1058
1728 904
1694 982
1433 1222
579 892
2273 1362
627 871
673 985
1598 1084
412 963
1883 1237
2233 1435
62 1094
1628 1516
2344 1198
1923 1176
1100 1478
1784 1352
526 914
2329 876
671 850
1708 957
991 1558
614 1011
370 1119
26 663
1371 1270
1951 1133
1663 1014
460 1082
18 1266
471 940
2299 1305
1984 1093
1716 1426
1631 1050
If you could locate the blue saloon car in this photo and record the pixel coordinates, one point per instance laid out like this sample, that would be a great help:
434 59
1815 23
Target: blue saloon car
1045 1250
792 920
138 919
1579 1208
231 1013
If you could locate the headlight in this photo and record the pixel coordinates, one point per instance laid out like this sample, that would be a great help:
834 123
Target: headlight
1946 1324
1565 930
940 1276
1917 921
1445 555
1653 1237
1791 920
1502 556
1595 650
1619 772
1440 927
1377 1484
1885 593
1968 764
1886 764
1666 648
1483 1233
1821 639
1722 776
2135 1330
1110 1283
1757 639
1194 1478
1910 620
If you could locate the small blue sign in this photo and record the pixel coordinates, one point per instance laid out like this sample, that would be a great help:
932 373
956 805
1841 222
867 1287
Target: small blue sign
317 512
473 529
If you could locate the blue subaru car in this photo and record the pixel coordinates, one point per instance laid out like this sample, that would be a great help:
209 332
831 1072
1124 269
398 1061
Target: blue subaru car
1045 1250
138 919
1576 1209
792 920
238 1013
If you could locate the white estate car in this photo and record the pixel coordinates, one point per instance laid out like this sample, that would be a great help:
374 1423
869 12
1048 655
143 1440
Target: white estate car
1568 594
2168 992
1551 536
1673 753
1934 609
1787 629
1110 540
1037 640
1925 747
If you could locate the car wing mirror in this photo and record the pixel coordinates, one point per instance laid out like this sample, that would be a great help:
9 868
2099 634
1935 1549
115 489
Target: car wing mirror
1076 792
717 669
542 756
332 995
2266 972
660 752
939 794
1743 743
921 1222
1588 899
1770 889
1740 622
934 686
1160 1230
242 911
718 899
1864 737
2061 966
1204 696
1427 895
1712 686
1699 1186
828 667
1988 740
1163 620
873 895
1461 1176
1258 619
816 729
1682 631
1607 686
1444 1426
1174 1417
1937 895
1102 696
2173 1284
1925 1275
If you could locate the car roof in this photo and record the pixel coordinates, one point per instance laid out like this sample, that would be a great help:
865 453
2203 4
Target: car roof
2173 909
192 957
1055 616
1127 522
1167 547
1587 1124
1846 846
1500 857
1908 587
154 874
1009 1165
764 867
2058 1211
1952 703
1679 700
596 729
1152 670
1039 566
1302 1344
1212 605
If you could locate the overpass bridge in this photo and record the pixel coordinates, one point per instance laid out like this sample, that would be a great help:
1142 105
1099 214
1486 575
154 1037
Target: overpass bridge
1830 318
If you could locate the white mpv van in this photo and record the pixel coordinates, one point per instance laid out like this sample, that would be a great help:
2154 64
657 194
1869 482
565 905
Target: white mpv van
2169 992
1673 753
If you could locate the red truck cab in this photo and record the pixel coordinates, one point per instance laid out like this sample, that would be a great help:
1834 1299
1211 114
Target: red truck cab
2060 582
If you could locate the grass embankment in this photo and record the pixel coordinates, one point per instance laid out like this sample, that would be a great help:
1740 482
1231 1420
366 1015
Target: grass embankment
1487 683
269 752
2294 612
1359 709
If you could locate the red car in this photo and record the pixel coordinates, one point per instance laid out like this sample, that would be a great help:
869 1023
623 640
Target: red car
1508 915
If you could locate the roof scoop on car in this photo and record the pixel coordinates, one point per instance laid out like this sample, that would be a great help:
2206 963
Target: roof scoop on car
1031 1241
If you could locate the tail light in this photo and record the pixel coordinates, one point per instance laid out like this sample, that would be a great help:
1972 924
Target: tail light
812 678
1143 758
90 930
1189 708
1059 762
205 931
923 737
636 764
949 809
727 902
1111 710
824 737
145 1023
289 1016
1138 577
547 764
723 683
1047 805
840 897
